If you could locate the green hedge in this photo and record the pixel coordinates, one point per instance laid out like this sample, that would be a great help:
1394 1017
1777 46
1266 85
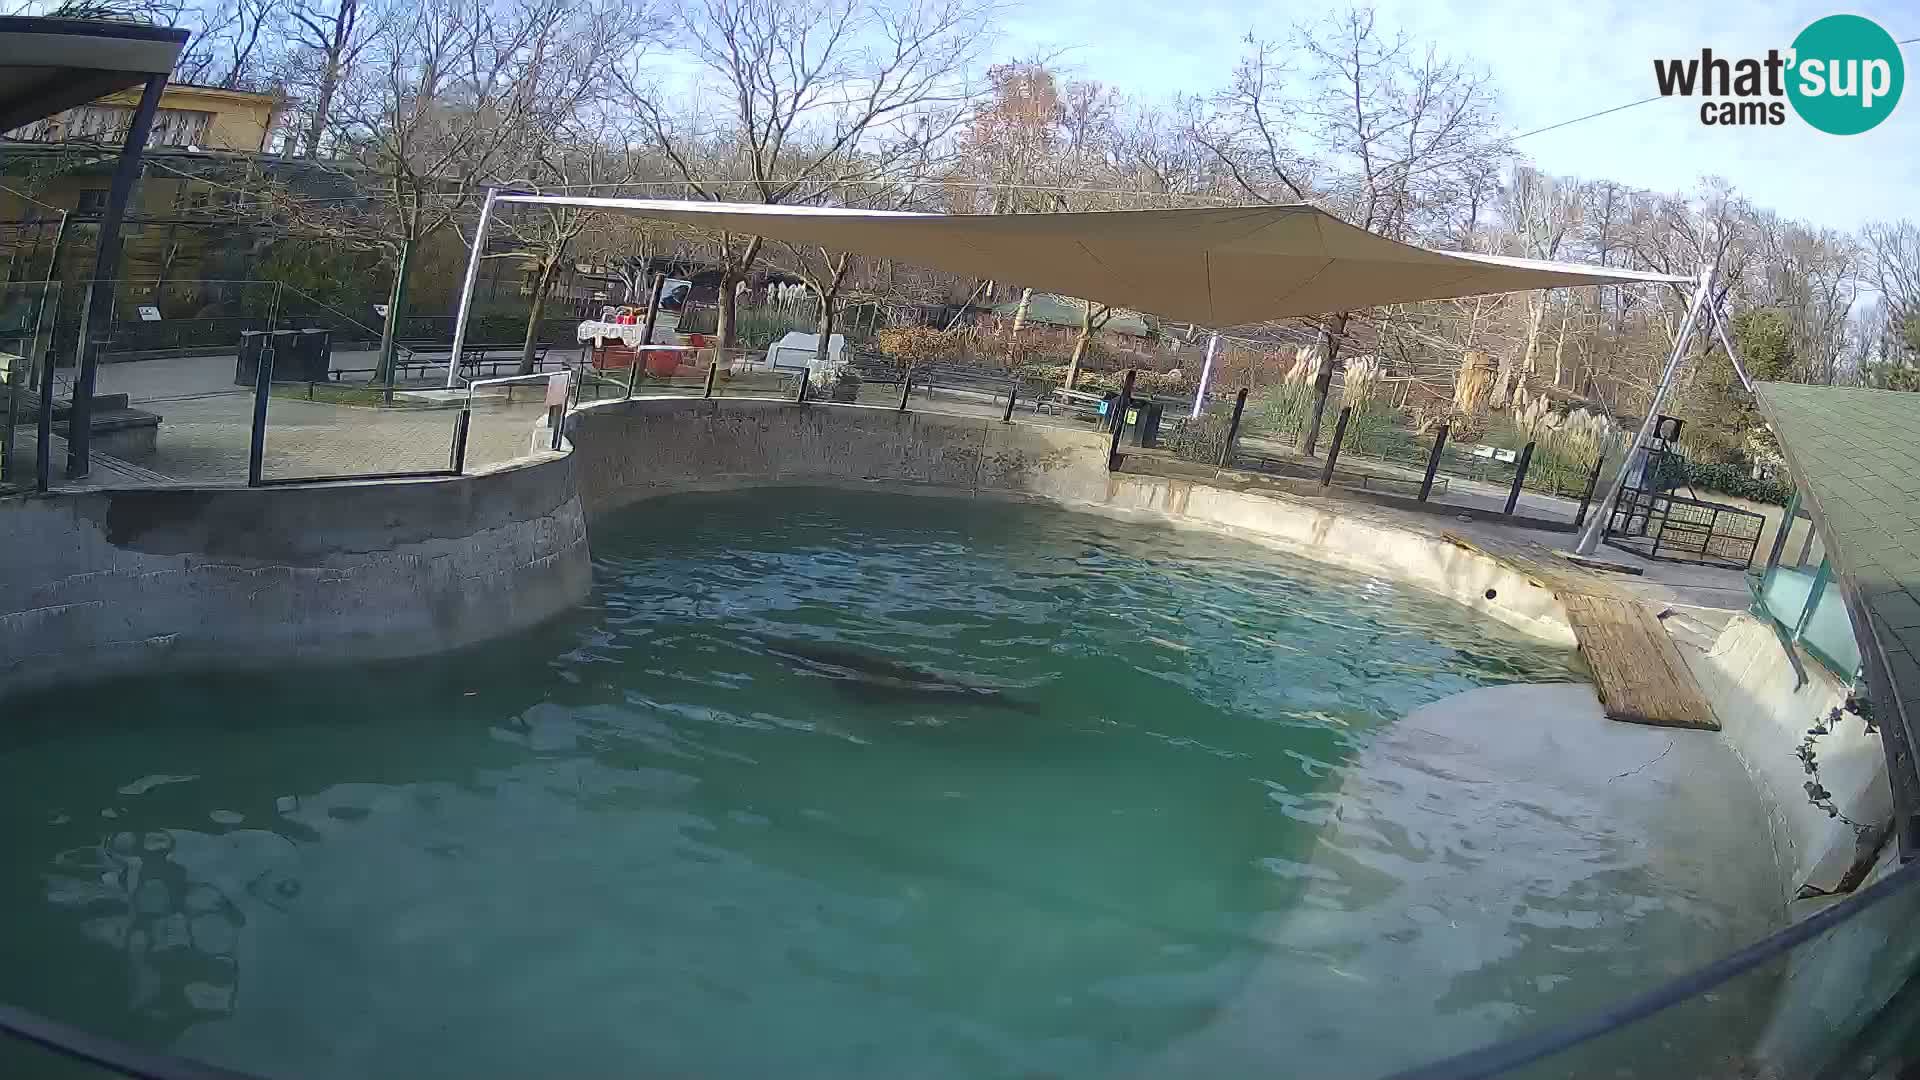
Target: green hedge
1727 480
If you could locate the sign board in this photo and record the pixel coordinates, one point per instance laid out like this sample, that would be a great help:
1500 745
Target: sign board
1497 453
149 313
557 389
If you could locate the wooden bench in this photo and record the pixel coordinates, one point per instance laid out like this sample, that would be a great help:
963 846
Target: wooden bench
475 361
969 380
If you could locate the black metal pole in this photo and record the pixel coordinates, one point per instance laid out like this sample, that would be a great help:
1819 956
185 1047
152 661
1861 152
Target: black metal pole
106 264
1333 448
1119 419
1233 427
1593 481
43 439
1013 390
646 329
712 369
457 462
906 387
262 389
1433 462
801 394
1519 477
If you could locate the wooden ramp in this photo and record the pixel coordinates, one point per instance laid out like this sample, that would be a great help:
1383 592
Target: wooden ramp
1636 668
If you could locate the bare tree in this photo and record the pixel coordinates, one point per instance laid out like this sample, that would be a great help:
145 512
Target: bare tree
819 97
328 37
448 93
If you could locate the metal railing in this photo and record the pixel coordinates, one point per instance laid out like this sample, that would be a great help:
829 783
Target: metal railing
1673 528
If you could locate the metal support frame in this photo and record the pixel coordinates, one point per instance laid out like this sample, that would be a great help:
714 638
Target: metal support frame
1233 428
1786 526
1013 391
1519 478
1433 462
800 395
1206 376
646 330
1589 541
713 372
457 458
1333 448
906 387
1815 592
43 358
1593 481
466 287
106 266
262 389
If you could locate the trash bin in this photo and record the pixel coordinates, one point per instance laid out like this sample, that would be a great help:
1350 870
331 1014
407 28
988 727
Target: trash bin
298 355
1143 422
246 367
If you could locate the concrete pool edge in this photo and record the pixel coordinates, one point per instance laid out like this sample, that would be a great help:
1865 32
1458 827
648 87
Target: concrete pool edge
109 582
645 448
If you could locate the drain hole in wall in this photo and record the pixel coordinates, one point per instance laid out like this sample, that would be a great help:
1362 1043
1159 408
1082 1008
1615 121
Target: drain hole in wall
1492 593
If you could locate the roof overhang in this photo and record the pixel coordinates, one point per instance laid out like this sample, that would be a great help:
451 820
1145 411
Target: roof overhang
1216 266
55 64
1852 453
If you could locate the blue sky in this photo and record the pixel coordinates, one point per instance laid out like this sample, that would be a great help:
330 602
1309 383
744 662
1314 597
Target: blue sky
1551 61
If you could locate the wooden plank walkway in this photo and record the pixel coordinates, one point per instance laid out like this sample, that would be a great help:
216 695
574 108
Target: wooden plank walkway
1637 669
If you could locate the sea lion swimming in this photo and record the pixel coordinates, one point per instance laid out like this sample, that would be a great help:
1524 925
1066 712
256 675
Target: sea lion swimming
875 680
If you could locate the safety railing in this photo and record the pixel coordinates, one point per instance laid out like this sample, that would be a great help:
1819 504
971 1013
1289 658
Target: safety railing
1365 447
1673 528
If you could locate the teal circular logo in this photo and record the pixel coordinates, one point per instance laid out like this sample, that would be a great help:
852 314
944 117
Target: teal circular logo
1847 74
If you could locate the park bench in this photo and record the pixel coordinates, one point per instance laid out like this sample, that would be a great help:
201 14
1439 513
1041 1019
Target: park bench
933 377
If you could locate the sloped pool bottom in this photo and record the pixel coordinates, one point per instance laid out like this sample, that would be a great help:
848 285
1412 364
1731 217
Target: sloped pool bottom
818 784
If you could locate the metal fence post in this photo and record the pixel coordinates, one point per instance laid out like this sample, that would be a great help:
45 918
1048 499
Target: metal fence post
1013 389
712 369
457 461
1233 428
1519 477
646 330
801 395
262 387
1593 481
1333 448
43 437
1433 462
1780 534
906 387
1119 419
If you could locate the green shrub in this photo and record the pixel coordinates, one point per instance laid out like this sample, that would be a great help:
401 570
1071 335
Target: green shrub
1727 479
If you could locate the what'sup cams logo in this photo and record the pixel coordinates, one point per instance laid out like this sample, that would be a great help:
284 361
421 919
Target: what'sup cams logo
1843 75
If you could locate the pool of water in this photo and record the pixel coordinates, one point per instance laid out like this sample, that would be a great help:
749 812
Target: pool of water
816 784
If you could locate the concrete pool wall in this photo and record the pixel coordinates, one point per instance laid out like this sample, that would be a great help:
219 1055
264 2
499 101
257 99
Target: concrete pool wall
107 582
637 449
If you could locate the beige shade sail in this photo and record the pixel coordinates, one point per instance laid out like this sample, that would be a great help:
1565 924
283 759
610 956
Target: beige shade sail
1219 267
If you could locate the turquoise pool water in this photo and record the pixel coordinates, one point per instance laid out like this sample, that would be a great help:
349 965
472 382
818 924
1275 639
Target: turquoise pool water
817 784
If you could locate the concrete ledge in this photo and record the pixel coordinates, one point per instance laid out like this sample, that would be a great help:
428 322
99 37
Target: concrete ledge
107 582
644 447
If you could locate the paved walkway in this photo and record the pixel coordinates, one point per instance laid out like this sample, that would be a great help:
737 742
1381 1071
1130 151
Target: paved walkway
207 421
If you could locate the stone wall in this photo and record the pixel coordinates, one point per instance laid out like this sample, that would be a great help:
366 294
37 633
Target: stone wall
97 583
631 450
